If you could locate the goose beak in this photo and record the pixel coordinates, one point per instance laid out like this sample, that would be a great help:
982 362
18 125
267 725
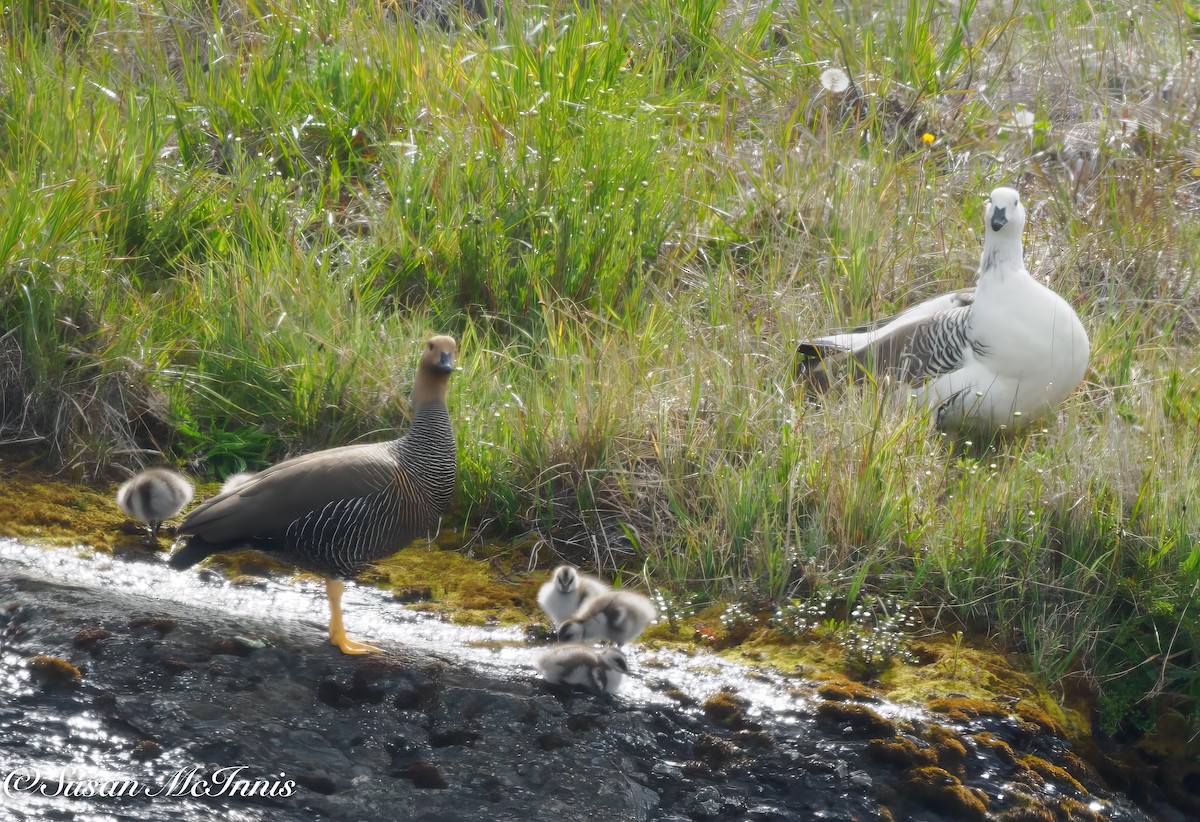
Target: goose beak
998 218
446 363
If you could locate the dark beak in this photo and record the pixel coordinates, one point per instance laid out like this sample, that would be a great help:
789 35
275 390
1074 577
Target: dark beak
998 218
446 363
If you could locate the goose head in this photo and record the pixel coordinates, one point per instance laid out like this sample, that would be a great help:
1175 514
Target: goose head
566 579
1004 213
614 659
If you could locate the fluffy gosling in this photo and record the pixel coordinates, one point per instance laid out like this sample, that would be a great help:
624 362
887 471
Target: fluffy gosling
566 592
600 672
236 481
617 616
153 496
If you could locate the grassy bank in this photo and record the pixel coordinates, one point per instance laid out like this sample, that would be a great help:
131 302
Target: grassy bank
226 228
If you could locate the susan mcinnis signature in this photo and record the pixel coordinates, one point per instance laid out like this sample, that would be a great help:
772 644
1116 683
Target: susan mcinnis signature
191 782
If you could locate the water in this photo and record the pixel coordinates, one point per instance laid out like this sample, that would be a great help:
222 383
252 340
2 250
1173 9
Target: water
77 751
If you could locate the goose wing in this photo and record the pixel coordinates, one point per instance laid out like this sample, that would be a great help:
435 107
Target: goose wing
923 341
282 494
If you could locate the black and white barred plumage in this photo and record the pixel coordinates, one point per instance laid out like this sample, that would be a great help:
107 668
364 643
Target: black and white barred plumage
338 511
995 357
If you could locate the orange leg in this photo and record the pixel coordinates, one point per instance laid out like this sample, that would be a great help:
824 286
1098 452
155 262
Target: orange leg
337 633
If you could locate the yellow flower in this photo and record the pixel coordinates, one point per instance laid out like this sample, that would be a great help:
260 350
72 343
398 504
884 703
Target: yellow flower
928 138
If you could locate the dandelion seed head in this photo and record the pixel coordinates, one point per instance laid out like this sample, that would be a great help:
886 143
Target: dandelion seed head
834 80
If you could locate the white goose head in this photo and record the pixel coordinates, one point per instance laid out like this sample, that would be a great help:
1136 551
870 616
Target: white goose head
1004 214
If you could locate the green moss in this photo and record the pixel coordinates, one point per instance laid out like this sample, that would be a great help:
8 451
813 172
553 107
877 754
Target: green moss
844 690
473 590
860 718
901 752
1051 773
726 707
964 709
44 510
1044 722
1001 748
247 564
1030 813
52 673
951 752
942 791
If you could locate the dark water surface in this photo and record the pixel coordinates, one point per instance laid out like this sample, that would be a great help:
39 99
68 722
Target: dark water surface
213 700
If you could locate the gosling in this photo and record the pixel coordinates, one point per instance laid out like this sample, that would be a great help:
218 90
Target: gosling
617 616
567 591
236 481
600 672
152 496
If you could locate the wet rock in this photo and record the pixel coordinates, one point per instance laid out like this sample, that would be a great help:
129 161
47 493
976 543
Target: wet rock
232 646
423 775
452 736
159 624
855 718
88 636
418 736
52 673
553 741
175 665
318 783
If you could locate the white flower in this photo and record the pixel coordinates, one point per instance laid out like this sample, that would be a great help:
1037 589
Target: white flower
834 80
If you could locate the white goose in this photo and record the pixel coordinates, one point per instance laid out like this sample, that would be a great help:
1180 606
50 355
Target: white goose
983 360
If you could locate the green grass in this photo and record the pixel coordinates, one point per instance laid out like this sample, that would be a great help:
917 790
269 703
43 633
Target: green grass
226 230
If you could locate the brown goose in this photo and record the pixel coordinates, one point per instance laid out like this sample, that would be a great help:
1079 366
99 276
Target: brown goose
337 511
152 496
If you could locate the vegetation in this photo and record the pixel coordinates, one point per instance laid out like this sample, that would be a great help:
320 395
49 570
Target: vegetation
227 226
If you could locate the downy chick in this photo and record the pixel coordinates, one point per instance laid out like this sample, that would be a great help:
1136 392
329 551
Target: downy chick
152 496
567 591
618 616
598 671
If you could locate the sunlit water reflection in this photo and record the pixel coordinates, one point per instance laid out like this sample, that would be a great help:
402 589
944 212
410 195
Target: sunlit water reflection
81 749
374 616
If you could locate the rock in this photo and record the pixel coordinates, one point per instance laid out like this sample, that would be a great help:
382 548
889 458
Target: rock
419 736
